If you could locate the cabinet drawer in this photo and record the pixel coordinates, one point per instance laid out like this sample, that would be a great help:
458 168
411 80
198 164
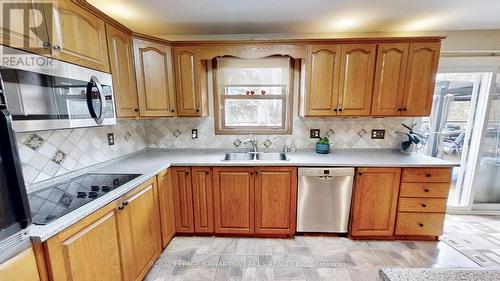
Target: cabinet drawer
424 189
430 224
427 175
425 205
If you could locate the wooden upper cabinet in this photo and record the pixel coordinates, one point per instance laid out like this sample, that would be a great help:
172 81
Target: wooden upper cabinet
275 200
12 32
78 36
423 59
375 201
389 81
234 200
322 80
190 82
183 199
22 267
88 250
140 233
203 207
166 198
122 70
155 83
356 79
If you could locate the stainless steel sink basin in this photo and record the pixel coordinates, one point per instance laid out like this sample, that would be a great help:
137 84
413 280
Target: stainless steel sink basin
250 156
271 156
238 156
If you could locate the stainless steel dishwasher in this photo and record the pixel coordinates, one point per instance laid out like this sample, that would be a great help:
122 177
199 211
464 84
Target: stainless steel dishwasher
324 199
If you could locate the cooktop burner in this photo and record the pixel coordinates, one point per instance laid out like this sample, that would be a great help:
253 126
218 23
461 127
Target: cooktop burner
56 201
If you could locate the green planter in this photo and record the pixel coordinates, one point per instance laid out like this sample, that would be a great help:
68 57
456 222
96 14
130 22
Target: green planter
322 148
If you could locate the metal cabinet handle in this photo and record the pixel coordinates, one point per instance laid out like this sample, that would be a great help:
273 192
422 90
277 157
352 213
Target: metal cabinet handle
405 109
400 109
426 190
197 110
46 45
421 224
423 205
125 203
173 110
57 47
340 109
121 207
360 174
207 173
428 175
187 173
335 109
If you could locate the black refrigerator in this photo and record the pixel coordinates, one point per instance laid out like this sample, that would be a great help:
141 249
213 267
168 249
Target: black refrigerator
14 207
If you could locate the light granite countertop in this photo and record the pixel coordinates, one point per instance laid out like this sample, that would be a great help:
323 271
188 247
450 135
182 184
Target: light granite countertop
150 162
435 274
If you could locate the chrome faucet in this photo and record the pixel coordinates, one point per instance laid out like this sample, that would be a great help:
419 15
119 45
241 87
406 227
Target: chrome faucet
252 141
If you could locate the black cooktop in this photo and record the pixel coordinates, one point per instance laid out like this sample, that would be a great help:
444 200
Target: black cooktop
56 201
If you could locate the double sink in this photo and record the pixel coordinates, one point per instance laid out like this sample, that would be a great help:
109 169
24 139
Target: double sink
255 156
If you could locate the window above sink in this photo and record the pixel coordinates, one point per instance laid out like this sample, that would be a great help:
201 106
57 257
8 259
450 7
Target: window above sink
253 95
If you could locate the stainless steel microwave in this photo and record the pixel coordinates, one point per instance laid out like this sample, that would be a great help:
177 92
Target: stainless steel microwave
54 94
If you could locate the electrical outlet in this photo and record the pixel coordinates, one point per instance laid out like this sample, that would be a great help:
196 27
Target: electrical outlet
111 139
194 133
378 134
314 134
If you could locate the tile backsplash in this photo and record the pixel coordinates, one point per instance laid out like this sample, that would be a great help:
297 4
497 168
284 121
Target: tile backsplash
48 154
342 132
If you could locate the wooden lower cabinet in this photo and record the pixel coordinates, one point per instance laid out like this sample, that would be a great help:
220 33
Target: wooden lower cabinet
88 250
139 228
203 208
118 242
275 200
166 198
183 199
234 195
22 267
375 202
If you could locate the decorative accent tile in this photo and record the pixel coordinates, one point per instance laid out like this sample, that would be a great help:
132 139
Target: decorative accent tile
58 157
237 143
361 133
177 133
330 133
267 143
127 136
34 142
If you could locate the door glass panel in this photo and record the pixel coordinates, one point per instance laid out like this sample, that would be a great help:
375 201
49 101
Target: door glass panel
486 181
449 128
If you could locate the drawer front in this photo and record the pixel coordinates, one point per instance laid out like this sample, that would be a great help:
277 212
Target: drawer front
426 175
425 205
424 190
428 224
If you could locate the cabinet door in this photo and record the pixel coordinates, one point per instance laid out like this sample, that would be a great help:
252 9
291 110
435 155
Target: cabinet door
188 78
356 79
203 199
12 31
389 82
275 200
88 250
139 229
375 201
234 200
423 59
155 83
78 36
183 200
22 267
322 80
122 71
166 196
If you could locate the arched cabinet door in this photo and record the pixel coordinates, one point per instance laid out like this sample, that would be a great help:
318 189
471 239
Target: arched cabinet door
356 79
155 83
423 59
322 80
122 70
388 87
78 36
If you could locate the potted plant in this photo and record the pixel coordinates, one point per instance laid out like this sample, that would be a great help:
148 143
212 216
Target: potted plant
411 141
323 145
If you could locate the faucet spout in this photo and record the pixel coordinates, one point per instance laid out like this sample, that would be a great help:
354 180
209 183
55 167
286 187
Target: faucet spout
253 142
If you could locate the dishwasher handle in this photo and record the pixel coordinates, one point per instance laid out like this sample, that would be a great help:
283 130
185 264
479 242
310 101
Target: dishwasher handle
325 172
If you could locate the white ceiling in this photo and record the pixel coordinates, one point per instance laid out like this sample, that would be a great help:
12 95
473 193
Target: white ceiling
202 17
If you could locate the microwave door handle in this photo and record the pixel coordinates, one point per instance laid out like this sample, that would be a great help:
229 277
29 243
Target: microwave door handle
12 164
98 118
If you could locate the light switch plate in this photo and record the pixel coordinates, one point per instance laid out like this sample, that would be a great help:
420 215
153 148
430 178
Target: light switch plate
314 133
378 134
111 139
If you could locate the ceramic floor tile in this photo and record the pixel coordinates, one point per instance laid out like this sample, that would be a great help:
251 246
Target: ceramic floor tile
200 274
288 273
